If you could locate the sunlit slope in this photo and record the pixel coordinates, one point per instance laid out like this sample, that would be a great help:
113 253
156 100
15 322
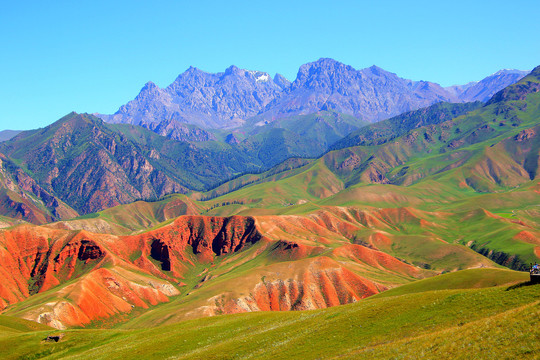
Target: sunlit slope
447 324
10 324
202 265
380 132
137 216
465 279
478 171
494 148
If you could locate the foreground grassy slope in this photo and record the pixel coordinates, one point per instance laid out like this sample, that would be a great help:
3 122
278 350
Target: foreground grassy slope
447 324
10 324
465 279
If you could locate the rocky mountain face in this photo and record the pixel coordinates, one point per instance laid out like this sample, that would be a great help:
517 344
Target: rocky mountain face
228 99
176 130
203 99
91 166
21 197
87 165
483 90
370 94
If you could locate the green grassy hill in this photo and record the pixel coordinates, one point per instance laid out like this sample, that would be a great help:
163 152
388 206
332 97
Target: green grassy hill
386 130
480 323
10 324
479 170
465 279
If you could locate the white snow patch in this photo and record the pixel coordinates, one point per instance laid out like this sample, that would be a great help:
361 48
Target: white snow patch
263 77
259 75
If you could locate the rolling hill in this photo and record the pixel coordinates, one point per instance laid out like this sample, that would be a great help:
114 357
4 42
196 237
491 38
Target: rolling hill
448 324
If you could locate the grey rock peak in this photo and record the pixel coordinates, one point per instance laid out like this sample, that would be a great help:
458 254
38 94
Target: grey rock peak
232 70
323 73
511 72
281 81
148 88
370 94
204 99
227 99
486 88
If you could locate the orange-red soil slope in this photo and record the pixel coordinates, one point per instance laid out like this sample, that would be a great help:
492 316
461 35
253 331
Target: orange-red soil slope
213 265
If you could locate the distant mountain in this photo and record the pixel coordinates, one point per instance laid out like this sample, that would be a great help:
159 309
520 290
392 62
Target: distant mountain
483 90
370 94
230 98
8 134
203 99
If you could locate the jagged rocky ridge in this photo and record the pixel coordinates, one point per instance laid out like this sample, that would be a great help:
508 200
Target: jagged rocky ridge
121 163
228 99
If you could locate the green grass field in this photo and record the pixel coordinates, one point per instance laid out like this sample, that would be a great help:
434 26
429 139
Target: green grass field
416 321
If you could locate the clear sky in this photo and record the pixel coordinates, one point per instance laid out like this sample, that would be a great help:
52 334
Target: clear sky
93 56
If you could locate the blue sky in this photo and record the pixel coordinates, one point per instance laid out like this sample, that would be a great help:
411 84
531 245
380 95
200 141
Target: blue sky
93 56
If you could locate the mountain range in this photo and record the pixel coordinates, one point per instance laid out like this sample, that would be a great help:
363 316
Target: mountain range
164 239
81 164
275 120
406 198
235 97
